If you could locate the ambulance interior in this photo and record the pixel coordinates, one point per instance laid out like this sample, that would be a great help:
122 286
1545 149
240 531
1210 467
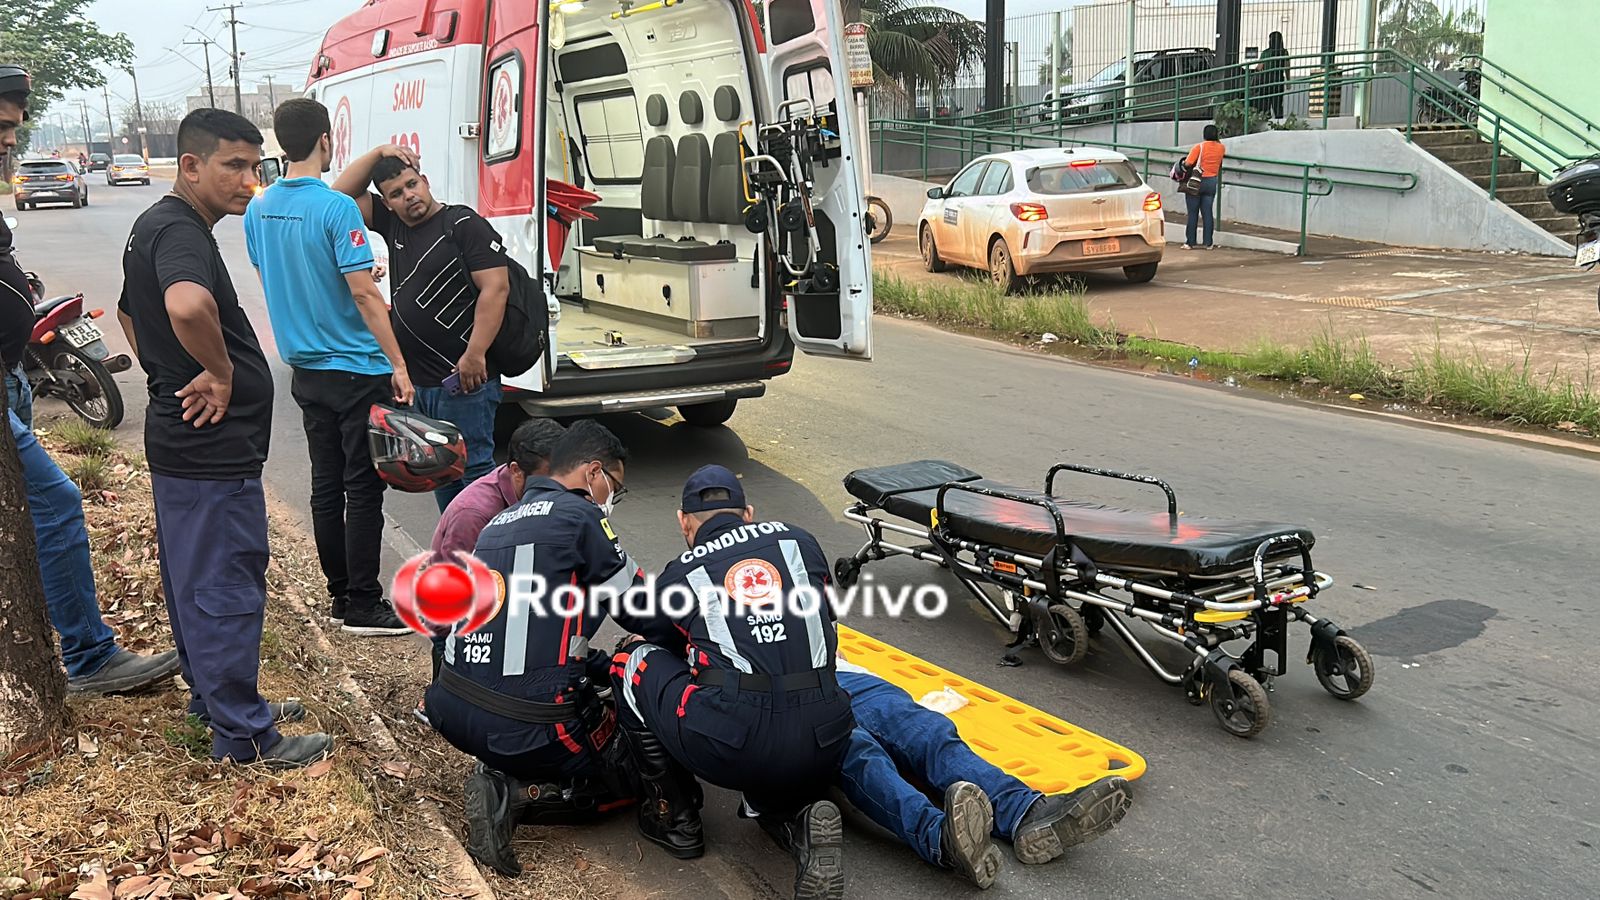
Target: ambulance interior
647 108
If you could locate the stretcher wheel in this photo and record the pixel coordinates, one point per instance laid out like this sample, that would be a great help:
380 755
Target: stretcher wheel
1345 669
1072 637
845 571
1240 704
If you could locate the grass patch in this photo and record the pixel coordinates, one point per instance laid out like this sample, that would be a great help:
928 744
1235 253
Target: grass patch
1440 377
79 437
192 736
91 473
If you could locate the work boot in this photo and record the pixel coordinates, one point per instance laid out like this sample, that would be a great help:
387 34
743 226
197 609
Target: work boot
127 672
669 816
492 809
287 711
296 752
1057 821
815 838
965 844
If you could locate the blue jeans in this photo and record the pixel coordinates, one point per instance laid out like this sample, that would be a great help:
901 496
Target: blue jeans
87 643
894 734
20 395
1201 206
474 415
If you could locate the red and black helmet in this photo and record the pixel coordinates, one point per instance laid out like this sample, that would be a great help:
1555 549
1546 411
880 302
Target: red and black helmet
413 452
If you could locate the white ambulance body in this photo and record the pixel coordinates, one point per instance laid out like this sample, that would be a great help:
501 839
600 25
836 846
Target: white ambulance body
666 297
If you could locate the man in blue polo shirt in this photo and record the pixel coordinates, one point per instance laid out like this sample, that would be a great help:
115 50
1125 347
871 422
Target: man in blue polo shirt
309 245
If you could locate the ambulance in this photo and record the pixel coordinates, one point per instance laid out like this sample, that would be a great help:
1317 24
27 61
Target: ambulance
714 153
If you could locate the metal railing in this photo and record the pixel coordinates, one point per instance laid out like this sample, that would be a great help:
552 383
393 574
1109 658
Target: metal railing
1305 179
1237 92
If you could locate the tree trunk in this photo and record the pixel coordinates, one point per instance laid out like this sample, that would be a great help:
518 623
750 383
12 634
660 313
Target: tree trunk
33 686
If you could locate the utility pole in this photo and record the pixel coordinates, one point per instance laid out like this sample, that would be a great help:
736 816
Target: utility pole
111 125
272 96
233 28
138 113
210 91
88 139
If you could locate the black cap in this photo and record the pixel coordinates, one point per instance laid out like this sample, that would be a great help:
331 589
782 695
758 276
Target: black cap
712 487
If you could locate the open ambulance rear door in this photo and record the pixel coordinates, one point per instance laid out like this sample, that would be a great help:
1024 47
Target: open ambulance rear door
806 59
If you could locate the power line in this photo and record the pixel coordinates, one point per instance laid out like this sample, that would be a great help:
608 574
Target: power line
233 28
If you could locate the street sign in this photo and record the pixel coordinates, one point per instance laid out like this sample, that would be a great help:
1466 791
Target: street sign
855 45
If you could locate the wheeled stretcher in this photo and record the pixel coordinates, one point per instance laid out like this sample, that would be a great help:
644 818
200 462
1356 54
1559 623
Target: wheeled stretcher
1055 571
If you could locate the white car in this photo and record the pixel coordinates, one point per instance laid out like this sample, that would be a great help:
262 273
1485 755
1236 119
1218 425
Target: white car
1040 212
127 167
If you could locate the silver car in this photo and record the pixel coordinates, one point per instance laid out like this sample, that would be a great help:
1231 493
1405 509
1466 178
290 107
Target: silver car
49 181
1042 212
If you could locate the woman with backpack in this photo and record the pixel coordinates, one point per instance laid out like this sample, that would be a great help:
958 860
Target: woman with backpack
1203 170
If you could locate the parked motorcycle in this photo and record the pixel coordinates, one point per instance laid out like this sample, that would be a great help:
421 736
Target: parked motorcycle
1575 190
67 357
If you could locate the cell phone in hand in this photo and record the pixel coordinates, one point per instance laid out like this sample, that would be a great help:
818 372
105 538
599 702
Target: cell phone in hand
452 384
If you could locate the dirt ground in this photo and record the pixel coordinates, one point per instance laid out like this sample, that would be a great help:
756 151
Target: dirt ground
1507 307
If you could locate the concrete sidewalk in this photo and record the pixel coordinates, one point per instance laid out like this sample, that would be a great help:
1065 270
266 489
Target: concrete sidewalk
1506 307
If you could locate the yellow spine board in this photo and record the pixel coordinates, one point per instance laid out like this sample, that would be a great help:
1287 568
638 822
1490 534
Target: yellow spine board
1046 753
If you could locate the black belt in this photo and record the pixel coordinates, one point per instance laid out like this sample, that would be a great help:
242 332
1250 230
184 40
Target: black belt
510 707
729 680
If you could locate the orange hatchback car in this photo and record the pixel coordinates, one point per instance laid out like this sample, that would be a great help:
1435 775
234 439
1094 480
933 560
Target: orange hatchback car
1044 212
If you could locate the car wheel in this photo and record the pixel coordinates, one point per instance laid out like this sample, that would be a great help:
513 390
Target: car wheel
930 254
78 202
1141 273
1002 270
709 415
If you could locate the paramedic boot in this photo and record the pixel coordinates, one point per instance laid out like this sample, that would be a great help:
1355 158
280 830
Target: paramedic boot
669 813
1057 821
965 844
494 803
815 838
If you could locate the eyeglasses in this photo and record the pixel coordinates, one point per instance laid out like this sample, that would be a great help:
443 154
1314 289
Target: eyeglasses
618 489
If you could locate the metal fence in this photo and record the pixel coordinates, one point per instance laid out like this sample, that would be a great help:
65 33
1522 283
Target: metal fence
1090 40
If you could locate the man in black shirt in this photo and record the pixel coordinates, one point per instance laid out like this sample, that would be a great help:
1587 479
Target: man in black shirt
449 293
206 437
89 650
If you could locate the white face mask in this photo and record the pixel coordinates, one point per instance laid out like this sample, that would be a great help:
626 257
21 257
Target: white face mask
610 505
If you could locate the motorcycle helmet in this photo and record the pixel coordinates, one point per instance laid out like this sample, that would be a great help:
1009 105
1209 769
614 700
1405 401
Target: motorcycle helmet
14 79
413 452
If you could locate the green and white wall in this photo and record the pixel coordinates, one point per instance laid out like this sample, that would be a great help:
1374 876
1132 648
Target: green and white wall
1550 44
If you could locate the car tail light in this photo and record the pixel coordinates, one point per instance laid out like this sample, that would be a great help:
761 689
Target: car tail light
16 179
63 177
1082 163
1152 202
1029 212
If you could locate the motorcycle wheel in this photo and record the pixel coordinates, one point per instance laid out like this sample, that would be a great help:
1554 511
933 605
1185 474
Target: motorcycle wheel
89 389
879 219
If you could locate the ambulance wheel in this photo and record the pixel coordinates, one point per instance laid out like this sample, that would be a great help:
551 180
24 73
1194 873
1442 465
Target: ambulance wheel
846 571
1240 704
1344 669
1072 638
707 415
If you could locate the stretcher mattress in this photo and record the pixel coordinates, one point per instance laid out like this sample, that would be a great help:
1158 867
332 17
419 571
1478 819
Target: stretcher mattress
1111 537
1046 753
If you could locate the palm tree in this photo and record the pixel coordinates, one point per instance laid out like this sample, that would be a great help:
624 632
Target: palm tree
913 45
1419 30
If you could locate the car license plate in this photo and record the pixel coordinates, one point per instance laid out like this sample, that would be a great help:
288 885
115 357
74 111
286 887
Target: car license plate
1098 246
80 334
1589 254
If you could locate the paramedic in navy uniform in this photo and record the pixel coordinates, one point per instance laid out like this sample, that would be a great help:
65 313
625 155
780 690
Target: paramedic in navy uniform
743 698
521 692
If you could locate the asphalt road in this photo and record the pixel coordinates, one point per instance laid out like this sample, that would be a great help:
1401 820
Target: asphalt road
1467 772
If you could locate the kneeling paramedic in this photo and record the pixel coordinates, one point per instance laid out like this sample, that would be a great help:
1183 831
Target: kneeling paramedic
523 693
739 688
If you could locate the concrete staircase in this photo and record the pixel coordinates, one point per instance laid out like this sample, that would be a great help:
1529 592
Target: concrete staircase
1467 152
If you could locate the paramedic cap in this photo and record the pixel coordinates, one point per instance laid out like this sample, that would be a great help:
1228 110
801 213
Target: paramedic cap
712 487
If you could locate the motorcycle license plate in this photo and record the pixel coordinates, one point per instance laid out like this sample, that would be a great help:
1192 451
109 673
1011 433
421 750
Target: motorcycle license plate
1589 254
80 334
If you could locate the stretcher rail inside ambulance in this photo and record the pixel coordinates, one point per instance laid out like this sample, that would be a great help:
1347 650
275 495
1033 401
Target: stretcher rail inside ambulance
1064 568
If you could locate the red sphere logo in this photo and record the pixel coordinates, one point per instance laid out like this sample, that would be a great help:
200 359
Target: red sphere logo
445 593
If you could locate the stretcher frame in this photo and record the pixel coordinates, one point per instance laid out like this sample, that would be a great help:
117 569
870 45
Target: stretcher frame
1058 601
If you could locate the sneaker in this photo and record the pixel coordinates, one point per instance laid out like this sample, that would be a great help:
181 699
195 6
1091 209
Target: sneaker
1058 821
965 844
815 838
127 672
296 752
378 620
287 711
489 821
336 611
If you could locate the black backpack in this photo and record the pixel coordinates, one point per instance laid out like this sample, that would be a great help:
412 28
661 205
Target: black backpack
524 334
